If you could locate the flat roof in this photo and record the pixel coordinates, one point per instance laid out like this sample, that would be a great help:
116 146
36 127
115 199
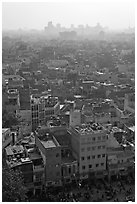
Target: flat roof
89 128
11 150
48 144
15 162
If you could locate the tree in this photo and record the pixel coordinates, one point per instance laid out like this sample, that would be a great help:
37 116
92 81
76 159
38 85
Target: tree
13 188
8 119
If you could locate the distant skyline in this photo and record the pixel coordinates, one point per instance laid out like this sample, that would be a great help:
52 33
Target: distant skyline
115 14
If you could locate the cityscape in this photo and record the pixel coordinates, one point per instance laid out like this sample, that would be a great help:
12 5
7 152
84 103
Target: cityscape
68 107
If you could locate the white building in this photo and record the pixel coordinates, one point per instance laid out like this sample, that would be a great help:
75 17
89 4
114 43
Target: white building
89 147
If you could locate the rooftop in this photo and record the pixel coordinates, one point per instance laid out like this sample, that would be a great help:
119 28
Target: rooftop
16 149
89 128
16 162
49 101
48 144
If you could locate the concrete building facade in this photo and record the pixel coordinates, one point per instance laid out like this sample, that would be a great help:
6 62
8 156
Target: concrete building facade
42 108
89 147
51 154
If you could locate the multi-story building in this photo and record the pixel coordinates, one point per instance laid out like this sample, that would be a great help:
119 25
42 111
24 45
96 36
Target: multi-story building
66 162
51 154
38 169
69 166
42 108
120 159
89 147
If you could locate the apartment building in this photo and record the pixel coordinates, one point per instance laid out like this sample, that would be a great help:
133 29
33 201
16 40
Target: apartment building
42 108
58 136
120 159
51 154
38 169
89 147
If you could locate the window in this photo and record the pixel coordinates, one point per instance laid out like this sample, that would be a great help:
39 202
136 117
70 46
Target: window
103 155
93 148
83 167
99 147
93 139
82 149
57 155
102 164
69 170
38 177
99 138
97 165
93 157
82 158
88 158
103 147
90 166
99 156
88 149
103 137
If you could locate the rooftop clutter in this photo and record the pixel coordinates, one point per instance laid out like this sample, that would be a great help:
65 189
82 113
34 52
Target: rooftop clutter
89 127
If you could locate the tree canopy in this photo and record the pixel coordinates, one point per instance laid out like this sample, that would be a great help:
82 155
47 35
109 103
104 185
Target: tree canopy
8 119
13 188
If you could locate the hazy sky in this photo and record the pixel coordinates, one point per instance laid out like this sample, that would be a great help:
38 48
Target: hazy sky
115 14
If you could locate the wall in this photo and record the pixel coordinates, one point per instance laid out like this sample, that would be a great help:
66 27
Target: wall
75 118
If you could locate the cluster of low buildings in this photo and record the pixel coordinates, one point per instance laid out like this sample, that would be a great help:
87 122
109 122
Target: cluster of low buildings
76 120
57 152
